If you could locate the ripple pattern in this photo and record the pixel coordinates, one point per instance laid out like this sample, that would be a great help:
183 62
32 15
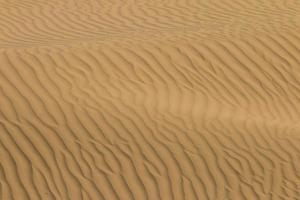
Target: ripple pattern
89 111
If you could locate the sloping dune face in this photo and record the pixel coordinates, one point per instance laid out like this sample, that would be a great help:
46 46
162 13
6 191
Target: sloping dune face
149 99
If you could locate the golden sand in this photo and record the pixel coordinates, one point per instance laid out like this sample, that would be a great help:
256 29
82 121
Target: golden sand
149 99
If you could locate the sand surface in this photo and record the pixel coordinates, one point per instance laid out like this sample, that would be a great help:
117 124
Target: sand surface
149 99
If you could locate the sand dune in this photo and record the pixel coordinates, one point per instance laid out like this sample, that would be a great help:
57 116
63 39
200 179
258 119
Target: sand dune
179 99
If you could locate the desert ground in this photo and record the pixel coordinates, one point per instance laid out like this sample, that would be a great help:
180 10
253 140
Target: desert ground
149 99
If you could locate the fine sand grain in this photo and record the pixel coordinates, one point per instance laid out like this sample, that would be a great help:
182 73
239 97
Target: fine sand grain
149 99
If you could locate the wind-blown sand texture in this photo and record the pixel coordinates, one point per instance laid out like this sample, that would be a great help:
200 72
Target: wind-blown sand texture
149 99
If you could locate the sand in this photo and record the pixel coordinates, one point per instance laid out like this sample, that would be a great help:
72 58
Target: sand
149 99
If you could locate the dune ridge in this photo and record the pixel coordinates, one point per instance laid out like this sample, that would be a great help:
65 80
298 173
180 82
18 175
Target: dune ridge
149 100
